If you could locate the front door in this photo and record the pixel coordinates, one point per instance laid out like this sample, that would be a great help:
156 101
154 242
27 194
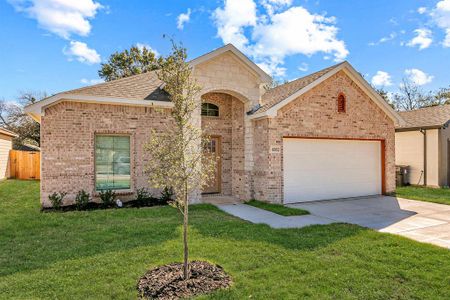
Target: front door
213 149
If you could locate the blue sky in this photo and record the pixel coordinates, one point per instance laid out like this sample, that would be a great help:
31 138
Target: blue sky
56 45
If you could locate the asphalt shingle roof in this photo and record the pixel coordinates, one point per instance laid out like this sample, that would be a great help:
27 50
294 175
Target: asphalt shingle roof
426 117
145 86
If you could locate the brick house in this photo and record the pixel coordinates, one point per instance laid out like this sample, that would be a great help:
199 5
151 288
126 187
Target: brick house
327 135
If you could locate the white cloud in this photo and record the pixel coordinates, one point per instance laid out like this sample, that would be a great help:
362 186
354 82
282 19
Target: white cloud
313 33
274 5
82 53
143 45
385 39
303 67
382 79
421 10
418 77
232 19
441 17
282 31
62 17
446 42
422 39
91 81
183 18
272 68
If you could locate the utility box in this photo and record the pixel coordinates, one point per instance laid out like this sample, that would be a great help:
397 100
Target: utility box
402 175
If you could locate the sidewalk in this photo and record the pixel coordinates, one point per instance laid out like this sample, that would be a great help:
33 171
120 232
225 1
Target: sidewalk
261 216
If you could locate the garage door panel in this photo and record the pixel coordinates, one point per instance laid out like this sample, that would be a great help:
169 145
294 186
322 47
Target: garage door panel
327 169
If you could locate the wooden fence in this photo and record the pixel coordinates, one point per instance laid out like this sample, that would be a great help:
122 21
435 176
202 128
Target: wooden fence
25 164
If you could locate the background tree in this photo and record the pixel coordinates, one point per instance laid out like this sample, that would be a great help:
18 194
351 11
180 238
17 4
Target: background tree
385 95
134 61
411 96
176 153
442 96
12 117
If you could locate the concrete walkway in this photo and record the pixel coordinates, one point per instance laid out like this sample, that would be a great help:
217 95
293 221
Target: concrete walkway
261 216
417 220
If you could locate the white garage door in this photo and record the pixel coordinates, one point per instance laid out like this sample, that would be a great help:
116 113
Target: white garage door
320 169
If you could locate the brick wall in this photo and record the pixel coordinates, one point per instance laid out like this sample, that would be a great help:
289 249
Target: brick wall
229 126
314 114
250 169
67 144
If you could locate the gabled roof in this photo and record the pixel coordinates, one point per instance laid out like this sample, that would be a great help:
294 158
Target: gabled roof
282 95
145 86
281 92
7 132
428 117
244 59
140 90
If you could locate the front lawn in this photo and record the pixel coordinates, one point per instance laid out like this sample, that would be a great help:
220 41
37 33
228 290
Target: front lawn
278 208
101 254
424 194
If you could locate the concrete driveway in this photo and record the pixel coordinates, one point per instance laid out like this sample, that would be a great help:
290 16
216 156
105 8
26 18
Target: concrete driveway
421 221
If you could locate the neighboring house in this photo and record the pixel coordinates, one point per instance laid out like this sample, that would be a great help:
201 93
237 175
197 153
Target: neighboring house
6 138
423 144
327 135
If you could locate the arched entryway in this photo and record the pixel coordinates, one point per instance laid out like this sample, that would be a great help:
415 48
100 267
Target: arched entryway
223 120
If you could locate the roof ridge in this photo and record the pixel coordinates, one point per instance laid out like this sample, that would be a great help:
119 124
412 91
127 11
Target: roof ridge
427 107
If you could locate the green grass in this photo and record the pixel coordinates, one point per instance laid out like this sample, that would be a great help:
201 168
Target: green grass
101 254
424 194
278 208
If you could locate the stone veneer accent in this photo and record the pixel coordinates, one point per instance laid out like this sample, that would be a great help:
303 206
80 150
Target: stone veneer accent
314 114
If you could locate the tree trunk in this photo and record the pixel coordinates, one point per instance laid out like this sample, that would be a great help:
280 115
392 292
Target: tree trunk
186 271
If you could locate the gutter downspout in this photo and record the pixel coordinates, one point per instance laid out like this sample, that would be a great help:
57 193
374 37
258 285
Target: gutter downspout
424 132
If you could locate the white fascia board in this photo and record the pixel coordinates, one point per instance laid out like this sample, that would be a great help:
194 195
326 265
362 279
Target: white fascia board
355 76
272 112
365 86
36 110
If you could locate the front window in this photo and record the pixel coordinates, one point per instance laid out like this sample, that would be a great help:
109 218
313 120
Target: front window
112 162
210 110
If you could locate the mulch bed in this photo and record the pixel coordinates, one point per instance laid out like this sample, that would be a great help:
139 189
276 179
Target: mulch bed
95 206
166 282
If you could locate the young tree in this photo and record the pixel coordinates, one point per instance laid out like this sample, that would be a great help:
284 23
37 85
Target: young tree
137 60
177 157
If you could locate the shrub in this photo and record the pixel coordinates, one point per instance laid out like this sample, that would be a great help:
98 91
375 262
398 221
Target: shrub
82 199
142 197
56 199
107 197
166 195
